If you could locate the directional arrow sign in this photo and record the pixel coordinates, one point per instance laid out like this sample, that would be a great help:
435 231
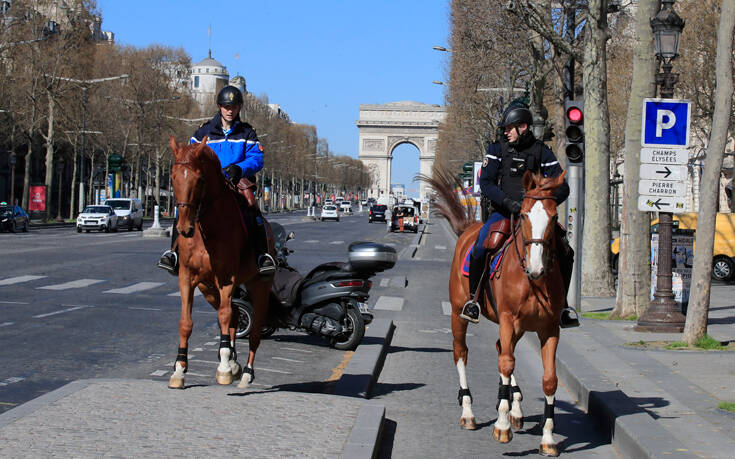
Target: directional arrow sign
675 205
664 155
666 188
663 172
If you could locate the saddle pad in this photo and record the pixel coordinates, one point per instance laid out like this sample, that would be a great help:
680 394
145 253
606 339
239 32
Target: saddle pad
493 263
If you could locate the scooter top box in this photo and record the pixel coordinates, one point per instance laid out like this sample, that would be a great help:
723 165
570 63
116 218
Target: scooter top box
371 256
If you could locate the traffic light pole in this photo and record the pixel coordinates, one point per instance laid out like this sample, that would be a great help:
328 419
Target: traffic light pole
575 219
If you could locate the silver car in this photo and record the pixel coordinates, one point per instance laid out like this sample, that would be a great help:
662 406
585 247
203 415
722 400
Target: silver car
329 212
129 212
101 218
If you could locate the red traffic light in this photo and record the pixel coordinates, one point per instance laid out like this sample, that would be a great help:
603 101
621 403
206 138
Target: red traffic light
574 115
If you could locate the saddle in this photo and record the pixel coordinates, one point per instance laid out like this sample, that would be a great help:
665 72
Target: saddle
244 191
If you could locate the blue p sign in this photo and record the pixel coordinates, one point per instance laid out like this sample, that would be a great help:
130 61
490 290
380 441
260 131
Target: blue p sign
665 123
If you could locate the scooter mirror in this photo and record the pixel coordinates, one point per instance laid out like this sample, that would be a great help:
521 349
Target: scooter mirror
290 236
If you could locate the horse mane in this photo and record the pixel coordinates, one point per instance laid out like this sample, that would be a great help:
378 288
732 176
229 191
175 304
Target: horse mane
448 205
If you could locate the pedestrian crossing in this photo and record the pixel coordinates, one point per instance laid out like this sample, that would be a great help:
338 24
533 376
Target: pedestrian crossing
19 279
139 287
79 283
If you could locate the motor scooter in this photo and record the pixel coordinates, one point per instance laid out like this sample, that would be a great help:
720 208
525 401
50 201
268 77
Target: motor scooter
330 301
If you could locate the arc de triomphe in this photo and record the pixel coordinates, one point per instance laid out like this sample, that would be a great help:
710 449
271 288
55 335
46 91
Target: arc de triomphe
383 127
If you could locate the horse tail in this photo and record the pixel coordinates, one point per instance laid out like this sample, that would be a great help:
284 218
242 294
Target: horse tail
448 204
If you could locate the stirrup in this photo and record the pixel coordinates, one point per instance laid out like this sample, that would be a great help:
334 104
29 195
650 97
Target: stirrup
569 318
266 265
471 312
165 262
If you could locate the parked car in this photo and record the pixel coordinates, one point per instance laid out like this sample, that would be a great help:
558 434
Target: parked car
338 200
101 218
723 253
13 218
129 212
328 202
329 212
377 213
404 218
346 207
364 202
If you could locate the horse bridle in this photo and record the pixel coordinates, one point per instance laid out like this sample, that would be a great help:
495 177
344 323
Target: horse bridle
198 212
527 242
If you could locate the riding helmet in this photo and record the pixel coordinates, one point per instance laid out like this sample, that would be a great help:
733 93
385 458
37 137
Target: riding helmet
229 95
516 113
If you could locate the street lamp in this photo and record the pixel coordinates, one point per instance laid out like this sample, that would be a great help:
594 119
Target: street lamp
441 48
662 314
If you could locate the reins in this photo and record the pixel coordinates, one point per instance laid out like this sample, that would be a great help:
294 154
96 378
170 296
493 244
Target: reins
201 207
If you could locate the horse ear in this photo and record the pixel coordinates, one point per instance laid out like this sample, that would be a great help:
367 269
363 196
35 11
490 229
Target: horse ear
560 178
528 181
204 140
174 146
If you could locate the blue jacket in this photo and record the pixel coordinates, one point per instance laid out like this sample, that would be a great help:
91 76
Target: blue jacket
240 146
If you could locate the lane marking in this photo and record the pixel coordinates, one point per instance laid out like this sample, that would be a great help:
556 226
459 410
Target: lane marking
339 369
73 284
287 360
440 247
13 302
274 371
8 404
11 380
196 293
447 308
159 373
198 349
311 241
210 343
6 324
389 303
139 287
337 242
40 316
294 349
19 279
144 309
384 282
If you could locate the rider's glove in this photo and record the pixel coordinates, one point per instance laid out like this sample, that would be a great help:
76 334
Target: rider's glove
233 173
513 206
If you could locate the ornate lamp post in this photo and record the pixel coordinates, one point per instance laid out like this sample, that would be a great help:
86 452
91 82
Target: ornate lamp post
663 315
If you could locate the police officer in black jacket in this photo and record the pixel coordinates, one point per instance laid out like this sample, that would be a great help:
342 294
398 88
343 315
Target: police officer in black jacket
501 181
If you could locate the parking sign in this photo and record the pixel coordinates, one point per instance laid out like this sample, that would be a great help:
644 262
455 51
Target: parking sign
665 123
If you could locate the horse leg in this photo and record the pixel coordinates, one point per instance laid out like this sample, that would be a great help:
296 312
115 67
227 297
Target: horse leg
464 397
211 294
549 382
185 326
516 414
506 364
234 365
224 317
259 292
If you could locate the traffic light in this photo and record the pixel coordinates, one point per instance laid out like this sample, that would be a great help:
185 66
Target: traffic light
574 130
468 168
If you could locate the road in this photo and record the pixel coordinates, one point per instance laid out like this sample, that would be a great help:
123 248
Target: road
93 305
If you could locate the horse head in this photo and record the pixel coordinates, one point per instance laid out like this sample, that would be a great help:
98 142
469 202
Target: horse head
189 184
538 222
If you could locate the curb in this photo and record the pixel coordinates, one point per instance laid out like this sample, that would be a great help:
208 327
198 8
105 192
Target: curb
364 440
366 364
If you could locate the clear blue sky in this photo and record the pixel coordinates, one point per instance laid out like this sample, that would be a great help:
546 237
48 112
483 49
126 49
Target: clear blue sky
319 59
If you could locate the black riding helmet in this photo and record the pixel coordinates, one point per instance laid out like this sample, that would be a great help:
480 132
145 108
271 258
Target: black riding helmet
229 95
516 115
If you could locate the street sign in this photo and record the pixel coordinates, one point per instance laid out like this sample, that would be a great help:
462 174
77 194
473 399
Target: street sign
676 205
665 155
666 188
663 172
665 123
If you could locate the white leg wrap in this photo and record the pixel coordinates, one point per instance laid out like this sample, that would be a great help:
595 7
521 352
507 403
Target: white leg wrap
515 409
466 400
224 360
503 422
178 371
246 379
547 437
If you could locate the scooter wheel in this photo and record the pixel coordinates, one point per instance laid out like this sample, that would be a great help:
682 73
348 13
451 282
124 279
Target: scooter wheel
355 330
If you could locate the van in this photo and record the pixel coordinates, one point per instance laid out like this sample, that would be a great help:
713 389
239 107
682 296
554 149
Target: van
723 253
129 212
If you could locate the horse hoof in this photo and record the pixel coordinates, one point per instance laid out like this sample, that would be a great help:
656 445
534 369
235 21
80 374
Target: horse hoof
502 436
176 383
516 423
548 450
468 423
236 370
224 377
244 382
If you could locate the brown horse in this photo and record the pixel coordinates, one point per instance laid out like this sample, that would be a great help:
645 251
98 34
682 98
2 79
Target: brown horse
529 293
215 256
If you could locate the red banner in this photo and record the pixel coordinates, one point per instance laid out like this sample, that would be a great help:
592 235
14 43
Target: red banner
37 199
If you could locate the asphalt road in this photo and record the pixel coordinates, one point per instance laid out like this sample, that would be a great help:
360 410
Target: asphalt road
93 305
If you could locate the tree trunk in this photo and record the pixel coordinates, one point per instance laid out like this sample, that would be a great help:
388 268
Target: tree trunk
27 172
696 323
597 279
634 262
73 182
49 151
158 177
91 180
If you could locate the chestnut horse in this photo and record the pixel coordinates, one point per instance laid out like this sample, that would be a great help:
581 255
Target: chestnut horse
529 294
214 255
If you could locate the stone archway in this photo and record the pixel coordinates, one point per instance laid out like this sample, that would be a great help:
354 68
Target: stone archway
383 127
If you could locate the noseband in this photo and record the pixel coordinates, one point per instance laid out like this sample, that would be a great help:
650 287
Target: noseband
526 242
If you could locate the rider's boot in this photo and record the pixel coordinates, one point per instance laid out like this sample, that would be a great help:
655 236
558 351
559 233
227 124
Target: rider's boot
170 258
569 318
471 309
266 262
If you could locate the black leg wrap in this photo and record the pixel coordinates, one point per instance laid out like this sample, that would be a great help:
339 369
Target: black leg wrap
250 371
503 394
515 390
224 341
182 356
548 411
462 393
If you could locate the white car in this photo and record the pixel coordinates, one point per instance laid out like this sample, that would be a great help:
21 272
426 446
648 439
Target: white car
101 218
346 207
329 212
129 212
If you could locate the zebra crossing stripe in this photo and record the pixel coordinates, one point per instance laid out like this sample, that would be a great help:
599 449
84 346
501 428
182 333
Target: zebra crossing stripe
389 303
447 308
337 242
73 284
384 282
159 373
196 293
139 287
39 316
19 279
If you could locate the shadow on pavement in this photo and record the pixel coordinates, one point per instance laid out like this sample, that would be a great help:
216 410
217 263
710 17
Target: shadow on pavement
385 388
309 387
395 349
386 442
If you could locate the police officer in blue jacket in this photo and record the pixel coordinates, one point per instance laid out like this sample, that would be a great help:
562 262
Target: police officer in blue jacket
241 156
505 162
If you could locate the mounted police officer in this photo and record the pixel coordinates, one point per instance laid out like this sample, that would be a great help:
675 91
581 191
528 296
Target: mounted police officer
241 156
505 162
